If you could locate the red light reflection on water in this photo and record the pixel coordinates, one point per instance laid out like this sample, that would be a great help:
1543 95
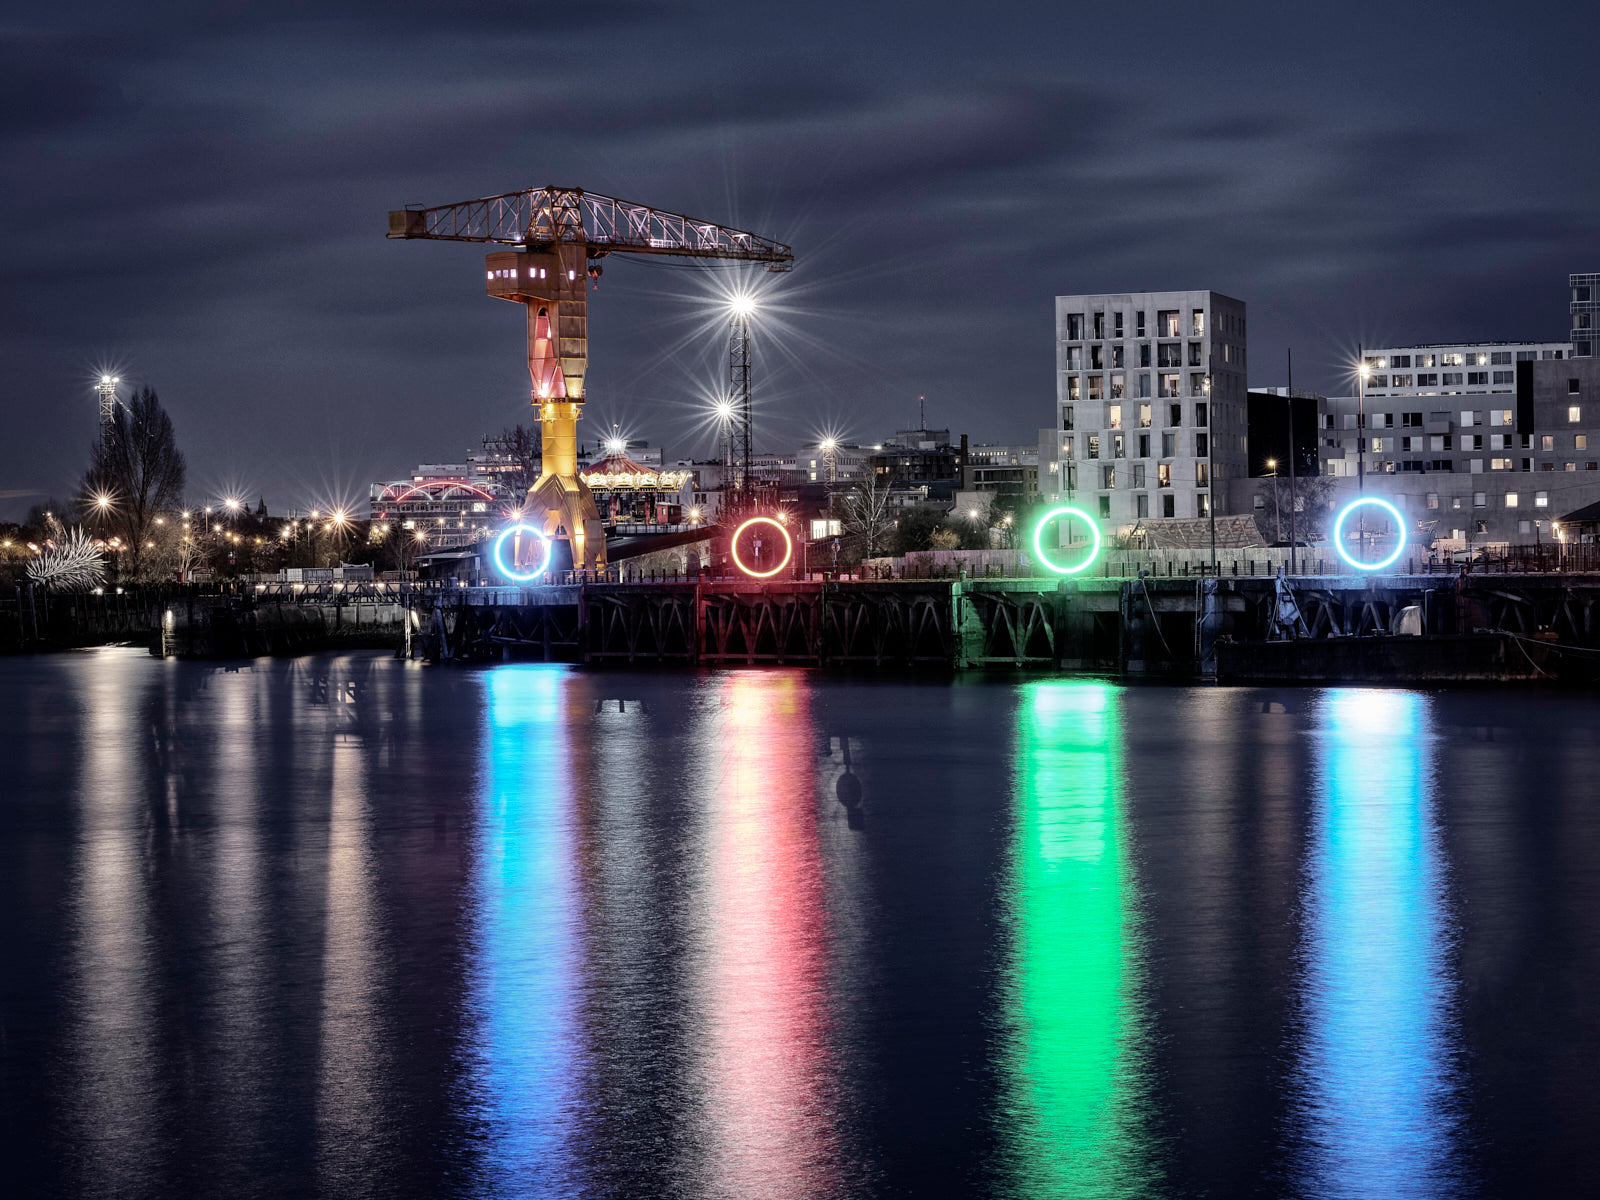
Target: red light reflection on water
769 1114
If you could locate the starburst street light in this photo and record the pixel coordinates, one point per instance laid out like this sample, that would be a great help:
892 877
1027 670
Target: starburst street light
742 305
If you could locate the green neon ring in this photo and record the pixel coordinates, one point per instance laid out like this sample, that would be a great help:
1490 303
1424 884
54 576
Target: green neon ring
1067 510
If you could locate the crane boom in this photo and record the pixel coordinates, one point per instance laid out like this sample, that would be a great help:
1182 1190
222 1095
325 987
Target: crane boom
544 216
549 235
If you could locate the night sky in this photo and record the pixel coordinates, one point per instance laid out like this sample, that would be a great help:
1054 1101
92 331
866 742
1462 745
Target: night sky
196 196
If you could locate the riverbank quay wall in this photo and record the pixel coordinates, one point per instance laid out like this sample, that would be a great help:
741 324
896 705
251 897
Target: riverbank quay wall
248 626
33 618
1181 628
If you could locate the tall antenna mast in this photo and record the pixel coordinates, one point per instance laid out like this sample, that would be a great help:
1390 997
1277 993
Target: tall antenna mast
922 412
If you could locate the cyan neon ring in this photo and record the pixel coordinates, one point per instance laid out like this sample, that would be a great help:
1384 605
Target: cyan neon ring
1338 532
1066 510
500 559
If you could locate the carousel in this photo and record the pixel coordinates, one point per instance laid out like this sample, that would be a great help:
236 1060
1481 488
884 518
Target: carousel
636 497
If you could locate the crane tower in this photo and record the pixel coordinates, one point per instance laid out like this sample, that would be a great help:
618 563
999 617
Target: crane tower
553 235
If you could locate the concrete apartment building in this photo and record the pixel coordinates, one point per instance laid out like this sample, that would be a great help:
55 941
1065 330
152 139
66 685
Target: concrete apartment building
1476 443
1150 404
1584 311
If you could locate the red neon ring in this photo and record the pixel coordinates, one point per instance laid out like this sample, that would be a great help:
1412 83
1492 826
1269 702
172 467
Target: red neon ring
788 547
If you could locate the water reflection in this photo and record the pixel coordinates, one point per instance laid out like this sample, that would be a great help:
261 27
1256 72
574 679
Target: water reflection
769 1126
1376 1093
114 1104
1075 1087
353 1042
525 1067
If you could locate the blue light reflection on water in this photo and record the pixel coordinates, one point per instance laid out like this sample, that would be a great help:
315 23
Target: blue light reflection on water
524 1049
1376 1093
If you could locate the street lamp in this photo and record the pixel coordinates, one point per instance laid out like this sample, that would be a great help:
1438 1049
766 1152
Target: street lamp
1362 371
1211 481
1277 504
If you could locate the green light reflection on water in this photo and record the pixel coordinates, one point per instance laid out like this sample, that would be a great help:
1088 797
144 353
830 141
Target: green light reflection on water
1074 1091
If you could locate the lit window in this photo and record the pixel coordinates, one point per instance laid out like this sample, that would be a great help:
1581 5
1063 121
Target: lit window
1511 499
1574 414
1541 499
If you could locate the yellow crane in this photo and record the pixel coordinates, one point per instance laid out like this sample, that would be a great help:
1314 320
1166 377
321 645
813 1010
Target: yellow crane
553 235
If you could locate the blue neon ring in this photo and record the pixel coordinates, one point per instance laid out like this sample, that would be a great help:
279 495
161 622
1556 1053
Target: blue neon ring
1066 510
499 555
1338 532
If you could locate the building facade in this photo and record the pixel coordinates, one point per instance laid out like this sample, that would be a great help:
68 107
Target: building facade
1472 463
1150 404
1584 313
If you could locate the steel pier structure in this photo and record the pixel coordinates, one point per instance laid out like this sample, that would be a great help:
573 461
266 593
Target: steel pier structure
1455 628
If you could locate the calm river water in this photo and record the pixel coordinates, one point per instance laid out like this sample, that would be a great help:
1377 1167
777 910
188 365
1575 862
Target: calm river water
348 926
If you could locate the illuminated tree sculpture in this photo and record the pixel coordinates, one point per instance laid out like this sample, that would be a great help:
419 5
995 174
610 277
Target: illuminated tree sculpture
74 564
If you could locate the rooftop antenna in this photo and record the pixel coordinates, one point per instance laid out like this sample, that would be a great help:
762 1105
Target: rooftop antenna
922 412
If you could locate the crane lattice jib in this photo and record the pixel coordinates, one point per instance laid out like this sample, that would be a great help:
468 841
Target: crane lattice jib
541 216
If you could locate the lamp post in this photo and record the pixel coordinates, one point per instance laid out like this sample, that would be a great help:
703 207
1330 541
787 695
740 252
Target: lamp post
1361 447
1211 481
1294 496
1277 505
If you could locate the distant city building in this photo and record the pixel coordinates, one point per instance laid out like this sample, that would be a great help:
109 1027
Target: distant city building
1583 307
1001 470
1150 404
1273 415
448 508
920 465
833 462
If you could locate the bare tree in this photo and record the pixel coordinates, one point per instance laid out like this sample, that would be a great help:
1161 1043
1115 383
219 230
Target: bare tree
1311 497
865 513
136 473
524 446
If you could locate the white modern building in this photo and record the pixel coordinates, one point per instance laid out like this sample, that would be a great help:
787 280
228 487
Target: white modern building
1150 404
1477 444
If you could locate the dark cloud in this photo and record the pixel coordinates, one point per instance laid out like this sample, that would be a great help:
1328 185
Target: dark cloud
199 192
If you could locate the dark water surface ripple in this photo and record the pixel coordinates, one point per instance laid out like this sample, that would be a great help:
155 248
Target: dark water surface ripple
346 926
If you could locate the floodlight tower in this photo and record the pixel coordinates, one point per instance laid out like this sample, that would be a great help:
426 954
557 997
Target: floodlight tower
106 389
552 237
830 458
725 412
739 392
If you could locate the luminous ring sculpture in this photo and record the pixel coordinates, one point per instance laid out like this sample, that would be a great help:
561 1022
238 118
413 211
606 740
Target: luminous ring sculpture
508 569
1067 510
1338 533
788 547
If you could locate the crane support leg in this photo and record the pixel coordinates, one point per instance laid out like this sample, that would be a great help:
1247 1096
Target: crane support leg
563 508
552 284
